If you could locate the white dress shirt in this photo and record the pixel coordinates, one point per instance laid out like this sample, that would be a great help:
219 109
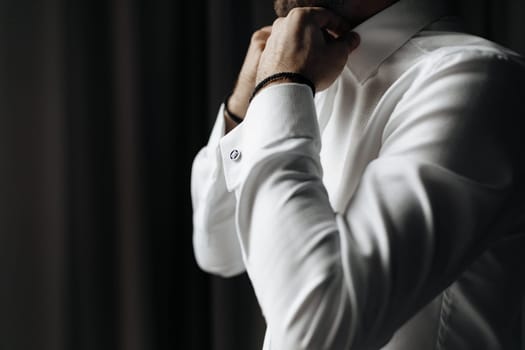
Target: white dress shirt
386 212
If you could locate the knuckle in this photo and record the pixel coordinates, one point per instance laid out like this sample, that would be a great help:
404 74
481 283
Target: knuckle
299 14
257 35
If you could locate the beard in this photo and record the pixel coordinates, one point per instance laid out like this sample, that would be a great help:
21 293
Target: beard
282 7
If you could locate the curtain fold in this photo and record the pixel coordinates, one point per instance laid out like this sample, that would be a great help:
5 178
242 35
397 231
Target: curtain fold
32 167
103 105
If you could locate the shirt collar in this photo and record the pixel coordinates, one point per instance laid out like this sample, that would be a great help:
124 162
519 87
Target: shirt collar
384 33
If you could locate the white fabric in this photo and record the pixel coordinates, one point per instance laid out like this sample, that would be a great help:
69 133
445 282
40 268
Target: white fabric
384 213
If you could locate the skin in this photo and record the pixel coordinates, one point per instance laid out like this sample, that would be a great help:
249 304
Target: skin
354 11
311 37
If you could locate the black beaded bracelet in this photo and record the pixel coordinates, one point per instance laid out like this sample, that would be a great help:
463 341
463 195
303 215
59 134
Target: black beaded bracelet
235 118
294 77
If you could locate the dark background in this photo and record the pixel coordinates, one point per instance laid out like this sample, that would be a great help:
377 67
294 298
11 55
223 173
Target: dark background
103 105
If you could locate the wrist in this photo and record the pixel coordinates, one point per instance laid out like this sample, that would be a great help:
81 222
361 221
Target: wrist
283 77
229 124
230 114
240 97
238 103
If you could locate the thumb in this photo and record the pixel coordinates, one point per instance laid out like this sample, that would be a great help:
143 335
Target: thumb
352 40
344 45
330 21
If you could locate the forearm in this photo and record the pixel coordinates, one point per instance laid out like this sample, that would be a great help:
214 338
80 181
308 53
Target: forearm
293 254
292 259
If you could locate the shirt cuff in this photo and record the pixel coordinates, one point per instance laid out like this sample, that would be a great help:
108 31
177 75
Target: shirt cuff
218 130
276 115
212 152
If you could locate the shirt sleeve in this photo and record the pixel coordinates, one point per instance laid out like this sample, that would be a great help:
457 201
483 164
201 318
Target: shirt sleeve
421 214
215 243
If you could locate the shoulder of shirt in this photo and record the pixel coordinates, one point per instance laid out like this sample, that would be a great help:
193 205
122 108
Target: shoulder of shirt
449 46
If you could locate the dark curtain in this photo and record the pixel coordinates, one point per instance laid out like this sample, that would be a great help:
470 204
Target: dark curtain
103 105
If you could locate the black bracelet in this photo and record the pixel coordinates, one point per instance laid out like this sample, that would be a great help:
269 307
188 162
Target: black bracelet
235 118
294 77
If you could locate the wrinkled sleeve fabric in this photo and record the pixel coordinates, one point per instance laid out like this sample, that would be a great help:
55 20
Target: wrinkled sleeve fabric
421 213
215 244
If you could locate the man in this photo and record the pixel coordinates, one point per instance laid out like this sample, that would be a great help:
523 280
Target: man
369 181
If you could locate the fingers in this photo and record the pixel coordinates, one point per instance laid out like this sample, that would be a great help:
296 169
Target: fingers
266 29
311 40
324 18
262 34
334 26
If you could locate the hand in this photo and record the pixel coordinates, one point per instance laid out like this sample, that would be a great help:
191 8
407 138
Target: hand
312 41
239 100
